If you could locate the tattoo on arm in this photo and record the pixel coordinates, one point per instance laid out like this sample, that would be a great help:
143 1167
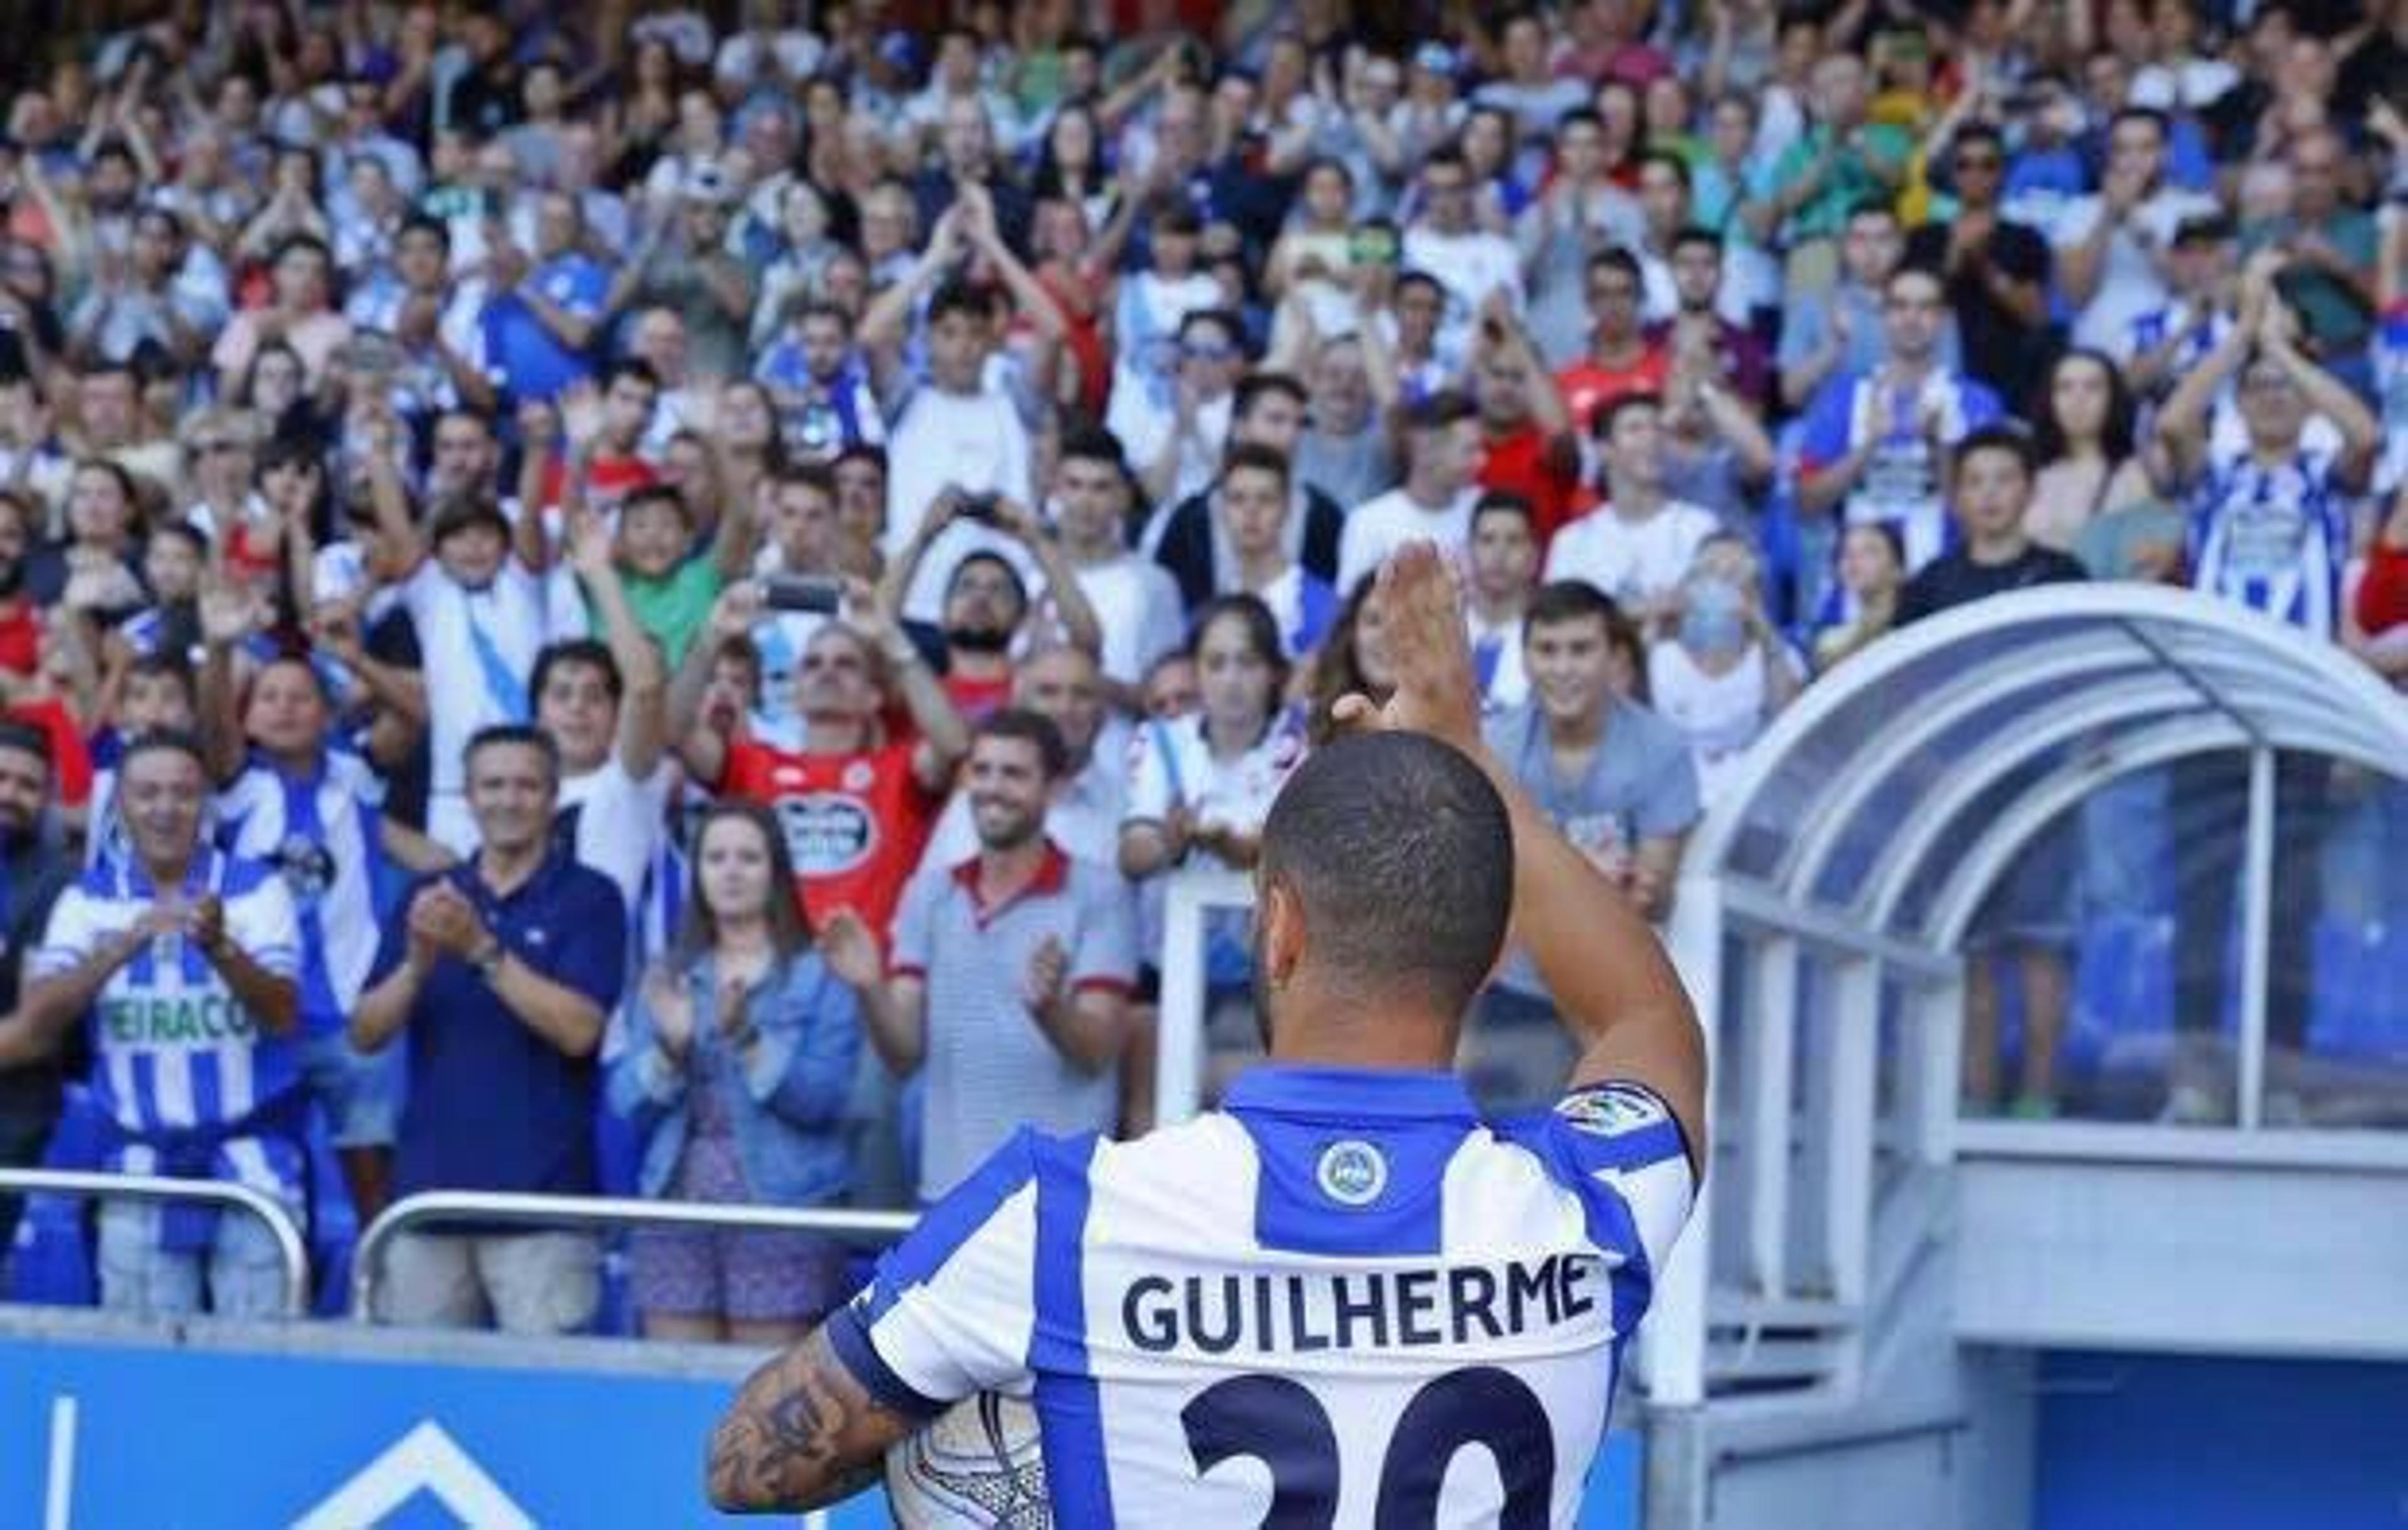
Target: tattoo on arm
803 1433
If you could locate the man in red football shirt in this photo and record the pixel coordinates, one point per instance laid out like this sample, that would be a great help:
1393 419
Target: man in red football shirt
858 788
1619 361
1531 448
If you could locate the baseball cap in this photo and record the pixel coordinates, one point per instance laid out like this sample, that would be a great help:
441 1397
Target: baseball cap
1437 57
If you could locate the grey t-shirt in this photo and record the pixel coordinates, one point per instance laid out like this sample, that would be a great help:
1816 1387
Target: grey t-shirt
1642 784
990 1067
1350 470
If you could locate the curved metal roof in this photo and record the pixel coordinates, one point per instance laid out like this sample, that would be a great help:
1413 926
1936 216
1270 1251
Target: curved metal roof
1893 792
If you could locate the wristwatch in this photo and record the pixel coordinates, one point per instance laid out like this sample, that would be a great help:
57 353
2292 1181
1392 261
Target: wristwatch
489 960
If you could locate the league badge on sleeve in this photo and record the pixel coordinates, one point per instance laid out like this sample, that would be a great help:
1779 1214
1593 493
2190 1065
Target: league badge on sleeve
1612 1109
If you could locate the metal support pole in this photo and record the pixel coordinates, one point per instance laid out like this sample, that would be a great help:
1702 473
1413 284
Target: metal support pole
1178 1030
1767 1091
2257 934
1672 1340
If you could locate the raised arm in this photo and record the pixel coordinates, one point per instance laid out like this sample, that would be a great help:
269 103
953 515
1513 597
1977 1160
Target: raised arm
1071 608
400 546
226 619
700 744
2182 419
888 318
2362 434
1027 292
944 737
539 431
1618 990
643 711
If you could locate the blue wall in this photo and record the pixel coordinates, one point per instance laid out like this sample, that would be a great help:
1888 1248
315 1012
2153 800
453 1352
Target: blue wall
173 1437
2139 1440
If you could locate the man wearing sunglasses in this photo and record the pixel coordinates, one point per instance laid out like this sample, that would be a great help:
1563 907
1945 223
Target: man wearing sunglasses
1996 269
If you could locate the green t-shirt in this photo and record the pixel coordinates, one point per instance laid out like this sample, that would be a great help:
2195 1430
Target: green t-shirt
1825 215
672 609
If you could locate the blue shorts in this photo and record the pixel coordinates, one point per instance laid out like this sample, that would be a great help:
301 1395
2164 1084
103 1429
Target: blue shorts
359 1092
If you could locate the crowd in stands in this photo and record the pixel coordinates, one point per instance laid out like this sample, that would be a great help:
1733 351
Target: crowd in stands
684 576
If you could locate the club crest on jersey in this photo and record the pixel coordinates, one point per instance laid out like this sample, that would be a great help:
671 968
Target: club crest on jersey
1353 1172
1611 1111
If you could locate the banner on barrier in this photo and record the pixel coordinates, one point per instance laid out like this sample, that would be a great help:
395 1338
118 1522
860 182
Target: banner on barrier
100 1435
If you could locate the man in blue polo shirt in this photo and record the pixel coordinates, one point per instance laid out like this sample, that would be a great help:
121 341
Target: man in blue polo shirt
542 321
502 973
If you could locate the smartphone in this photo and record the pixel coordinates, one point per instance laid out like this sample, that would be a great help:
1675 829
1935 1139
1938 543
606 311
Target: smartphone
823 594
980 510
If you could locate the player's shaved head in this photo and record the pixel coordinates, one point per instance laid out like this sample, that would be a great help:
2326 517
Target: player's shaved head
1401 857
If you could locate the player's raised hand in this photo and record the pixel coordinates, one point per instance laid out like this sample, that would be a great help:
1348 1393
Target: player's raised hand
1421 606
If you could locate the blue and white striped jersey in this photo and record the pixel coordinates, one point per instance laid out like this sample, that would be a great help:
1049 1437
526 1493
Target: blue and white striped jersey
323 835
178 1059
1303 1309
2274 539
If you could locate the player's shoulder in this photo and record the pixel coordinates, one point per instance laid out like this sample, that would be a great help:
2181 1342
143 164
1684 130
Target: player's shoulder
1172 1186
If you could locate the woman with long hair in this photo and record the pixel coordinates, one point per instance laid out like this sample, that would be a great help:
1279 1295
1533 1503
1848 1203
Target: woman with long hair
742 1049
1350 659
1200 787
1071 165
1873 571
2085 431
1205 782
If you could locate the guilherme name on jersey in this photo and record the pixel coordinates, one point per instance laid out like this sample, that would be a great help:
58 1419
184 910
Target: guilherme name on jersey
1300 1314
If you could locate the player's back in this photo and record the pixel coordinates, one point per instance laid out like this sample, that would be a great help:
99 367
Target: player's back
1341 1301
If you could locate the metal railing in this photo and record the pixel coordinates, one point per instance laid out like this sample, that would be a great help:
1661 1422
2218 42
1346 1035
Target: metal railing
1189 898
91 1185
491 1206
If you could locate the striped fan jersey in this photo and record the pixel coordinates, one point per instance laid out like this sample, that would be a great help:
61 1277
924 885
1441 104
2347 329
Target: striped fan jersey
322 834
179 1065
2274 539
1341 1300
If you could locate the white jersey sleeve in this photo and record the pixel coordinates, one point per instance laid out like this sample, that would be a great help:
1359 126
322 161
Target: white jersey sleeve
952 1310
1618 1146
71 935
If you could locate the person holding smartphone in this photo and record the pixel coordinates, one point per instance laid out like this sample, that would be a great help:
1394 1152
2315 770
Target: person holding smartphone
989 598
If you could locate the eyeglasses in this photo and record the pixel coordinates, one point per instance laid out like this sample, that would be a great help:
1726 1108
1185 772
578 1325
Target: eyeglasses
1209 352
217 448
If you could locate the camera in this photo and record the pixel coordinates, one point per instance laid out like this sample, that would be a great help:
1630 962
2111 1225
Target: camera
823 594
